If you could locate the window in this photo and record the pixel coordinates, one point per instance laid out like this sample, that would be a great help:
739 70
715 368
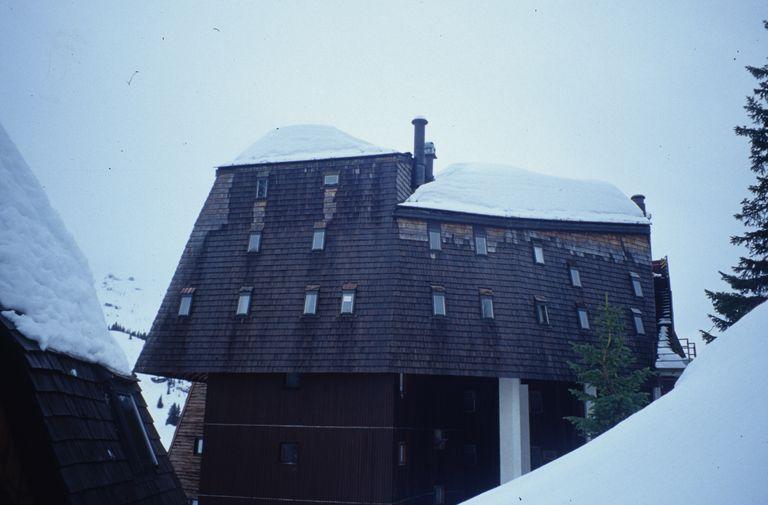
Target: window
486 306
310 301
347 301
439 495
185 305
318 239
538 253
197 448
438 439
542 314
289 453
331 179
583 318
438 301
636 286
481 244
261 187
292 380
434 237
470 455
130 421
401 386
244 301
193 501
402 456
638 317
575 276
254 241
470 401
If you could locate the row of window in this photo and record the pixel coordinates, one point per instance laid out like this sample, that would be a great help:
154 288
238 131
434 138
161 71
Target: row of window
262 184
318 240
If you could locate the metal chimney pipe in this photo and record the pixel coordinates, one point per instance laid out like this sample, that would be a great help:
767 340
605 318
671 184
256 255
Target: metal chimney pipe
418 151
640 202
430 156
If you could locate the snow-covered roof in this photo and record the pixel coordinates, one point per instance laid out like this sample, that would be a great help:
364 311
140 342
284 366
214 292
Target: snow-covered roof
705 442
304 143
666 357
501 190
46 286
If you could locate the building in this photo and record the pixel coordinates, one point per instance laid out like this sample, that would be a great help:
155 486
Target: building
364 337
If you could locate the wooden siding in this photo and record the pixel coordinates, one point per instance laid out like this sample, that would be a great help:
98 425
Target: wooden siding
181 454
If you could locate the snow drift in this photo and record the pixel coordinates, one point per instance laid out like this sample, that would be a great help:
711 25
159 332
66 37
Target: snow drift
306 142
706 442
501 190
46 287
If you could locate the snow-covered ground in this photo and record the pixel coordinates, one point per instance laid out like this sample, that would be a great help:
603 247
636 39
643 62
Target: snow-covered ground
501 190
706 442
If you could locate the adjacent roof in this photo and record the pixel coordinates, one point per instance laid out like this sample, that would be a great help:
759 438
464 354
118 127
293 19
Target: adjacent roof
46 286
501 190
306 142
669 352
713 422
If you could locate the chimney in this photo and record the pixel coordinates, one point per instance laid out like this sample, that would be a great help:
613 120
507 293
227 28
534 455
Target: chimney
640 202
429 154
418 151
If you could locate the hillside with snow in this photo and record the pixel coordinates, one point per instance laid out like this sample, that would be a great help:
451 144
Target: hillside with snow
704 443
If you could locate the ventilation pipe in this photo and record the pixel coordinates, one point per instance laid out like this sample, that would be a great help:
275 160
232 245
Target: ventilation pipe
640 202
430 156
418 151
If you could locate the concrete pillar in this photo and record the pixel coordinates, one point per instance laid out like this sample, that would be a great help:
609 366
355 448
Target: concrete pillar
514 430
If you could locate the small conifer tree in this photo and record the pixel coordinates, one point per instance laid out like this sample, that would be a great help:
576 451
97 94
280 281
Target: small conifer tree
160 402
174 414
606 365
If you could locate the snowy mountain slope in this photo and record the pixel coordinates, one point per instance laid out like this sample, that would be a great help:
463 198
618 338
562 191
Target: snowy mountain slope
706 442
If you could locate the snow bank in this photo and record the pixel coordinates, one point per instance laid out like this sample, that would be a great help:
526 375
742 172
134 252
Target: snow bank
501 190
46 287
306 142
706 442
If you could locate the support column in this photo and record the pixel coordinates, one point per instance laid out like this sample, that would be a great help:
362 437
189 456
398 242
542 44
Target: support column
514 430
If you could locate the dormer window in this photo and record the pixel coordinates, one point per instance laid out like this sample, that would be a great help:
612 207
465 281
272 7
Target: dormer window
347 299
575 276
583 316
434 237
254 241
318 239
438 301
244 301
538 253
637 288
486 304
261 188
185 305
542 314
331 179
310 300
481 243
637 316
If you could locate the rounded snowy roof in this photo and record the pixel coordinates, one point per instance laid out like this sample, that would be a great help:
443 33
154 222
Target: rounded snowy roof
304 143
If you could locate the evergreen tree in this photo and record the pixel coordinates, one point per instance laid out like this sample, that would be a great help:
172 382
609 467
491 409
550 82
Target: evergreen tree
174 414
606 365
749 280
160 402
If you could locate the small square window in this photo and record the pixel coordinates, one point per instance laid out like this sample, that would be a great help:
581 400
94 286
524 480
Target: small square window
289 453
435 243
638 318
542 314
347 301
292 380
481 244
637 288
197 448
318 239
575 276
538 254
486 306
439 497
331 179
438 303
310 302
185 306
244 302
261 187
470 401
470 455
402 454
254 241
583 318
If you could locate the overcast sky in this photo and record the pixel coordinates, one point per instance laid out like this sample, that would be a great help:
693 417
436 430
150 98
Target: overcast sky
123 110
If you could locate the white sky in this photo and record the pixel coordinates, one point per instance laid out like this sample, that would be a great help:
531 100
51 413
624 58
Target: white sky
643 94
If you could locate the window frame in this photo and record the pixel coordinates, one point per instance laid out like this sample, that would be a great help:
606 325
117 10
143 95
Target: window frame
353 293
486 296
313 294
402 453
438 294
481 238
262 187
198 446
140 451
294 461
257 242
575 279
541 311
582 314
187 295
435 236
637 286
637 318
318 232
244 293
331 174
536 248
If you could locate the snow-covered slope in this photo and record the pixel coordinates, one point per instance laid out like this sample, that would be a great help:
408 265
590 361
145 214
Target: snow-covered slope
501 190
306 142
706 442
46 286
